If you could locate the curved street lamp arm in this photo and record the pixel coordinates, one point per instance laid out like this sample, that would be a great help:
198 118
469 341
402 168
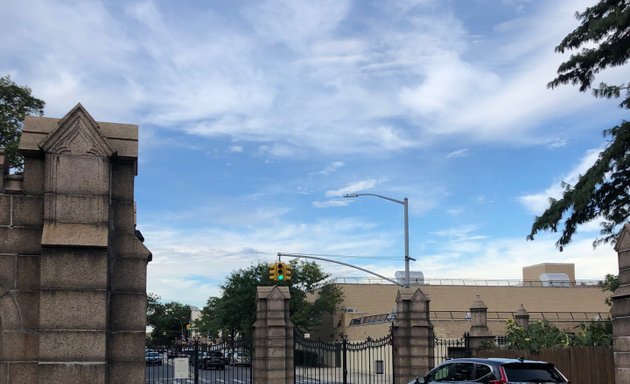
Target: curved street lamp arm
375 195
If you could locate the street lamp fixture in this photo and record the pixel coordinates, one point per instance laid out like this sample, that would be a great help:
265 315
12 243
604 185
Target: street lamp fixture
405 203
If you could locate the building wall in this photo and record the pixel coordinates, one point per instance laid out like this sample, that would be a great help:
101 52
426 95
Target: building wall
566 307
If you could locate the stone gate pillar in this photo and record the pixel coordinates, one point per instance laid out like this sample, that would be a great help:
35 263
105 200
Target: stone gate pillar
479 332
273 337
74 306
522 317
620 310
412 335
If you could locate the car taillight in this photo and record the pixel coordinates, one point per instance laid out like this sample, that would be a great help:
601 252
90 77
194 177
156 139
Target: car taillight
497 382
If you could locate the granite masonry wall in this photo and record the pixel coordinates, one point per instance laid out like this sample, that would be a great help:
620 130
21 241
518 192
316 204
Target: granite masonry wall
72 269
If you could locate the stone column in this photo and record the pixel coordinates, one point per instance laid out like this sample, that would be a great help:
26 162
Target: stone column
412 335
479 332
273 337
620 310
522 317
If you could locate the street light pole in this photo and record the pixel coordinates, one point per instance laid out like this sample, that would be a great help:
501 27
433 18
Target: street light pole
405 204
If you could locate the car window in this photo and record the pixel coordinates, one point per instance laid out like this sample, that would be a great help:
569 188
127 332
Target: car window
532 372
483 373
452 372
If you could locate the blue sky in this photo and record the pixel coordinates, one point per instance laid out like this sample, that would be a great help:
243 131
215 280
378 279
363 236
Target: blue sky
257 116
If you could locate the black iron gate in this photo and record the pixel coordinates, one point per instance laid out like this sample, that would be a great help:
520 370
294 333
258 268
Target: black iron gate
451 349
194 363
343 361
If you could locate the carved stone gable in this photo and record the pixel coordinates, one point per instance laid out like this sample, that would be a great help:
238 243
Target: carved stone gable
77 134
623 242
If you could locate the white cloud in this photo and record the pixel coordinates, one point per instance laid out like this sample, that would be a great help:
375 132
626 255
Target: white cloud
457 154
538 202
235 149
355 187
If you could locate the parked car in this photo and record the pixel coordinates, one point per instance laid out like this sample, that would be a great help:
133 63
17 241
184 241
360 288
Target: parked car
213 360
492 371
153 358
241 358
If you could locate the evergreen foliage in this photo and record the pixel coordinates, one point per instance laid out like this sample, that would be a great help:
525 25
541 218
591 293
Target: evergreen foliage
15 103
603 192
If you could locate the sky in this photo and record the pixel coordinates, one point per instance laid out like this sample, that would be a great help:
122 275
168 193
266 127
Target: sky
256 117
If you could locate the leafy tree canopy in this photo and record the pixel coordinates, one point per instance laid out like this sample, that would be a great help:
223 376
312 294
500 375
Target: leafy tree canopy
603 192
167 319
235 311
610 283
542 335
15 103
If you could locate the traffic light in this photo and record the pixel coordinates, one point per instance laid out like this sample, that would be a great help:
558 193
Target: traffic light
287 272
273 272
281 271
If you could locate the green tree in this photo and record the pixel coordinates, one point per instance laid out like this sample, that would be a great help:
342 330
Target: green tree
603 192
15 103
235 311
610 283
538 335
167 319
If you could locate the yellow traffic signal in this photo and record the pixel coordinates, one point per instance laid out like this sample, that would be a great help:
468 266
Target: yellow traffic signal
287 272
280 268
273 272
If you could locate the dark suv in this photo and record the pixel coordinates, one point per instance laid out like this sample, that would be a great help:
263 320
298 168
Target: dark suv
493 371
213 360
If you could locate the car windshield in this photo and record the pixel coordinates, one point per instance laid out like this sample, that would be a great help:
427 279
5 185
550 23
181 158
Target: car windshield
532 373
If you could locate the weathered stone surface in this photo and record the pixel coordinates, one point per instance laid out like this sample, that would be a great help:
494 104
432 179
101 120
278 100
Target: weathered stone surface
27 272
80 175
5 209
124 216
71 373
127 346
127 245
7 271
77 209
85 235
124 174
127 372
28 211
28 302
22 240
127 312
33 175
80 268
9 312
18 345
129 275
67 309
83 346
22 372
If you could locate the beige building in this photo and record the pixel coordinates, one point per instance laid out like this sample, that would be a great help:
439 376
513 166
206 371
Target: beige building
547 291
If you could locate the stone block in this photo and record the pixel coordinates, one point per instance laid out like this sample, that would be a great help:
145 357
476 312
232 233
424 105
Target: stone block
9 312
78 268
75 235
622 359
28 211
7 271
127 346
28 302
124 216
20 240
5 209
22 373
126 149
123 175
81 175
129 275
621 344
27 272
77 209
126 372
19 345
127 245
67 309
72 346
620 307
128 312
622 375
33 175
69 373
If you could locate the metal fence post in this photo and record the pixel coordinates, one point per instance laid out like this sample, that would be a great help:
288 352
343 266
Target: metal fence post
344 348
196 361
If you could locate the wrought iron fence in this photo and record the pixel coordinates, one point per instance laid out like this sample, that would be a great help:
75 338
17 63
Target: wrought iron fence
343 361
451 349
227 362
